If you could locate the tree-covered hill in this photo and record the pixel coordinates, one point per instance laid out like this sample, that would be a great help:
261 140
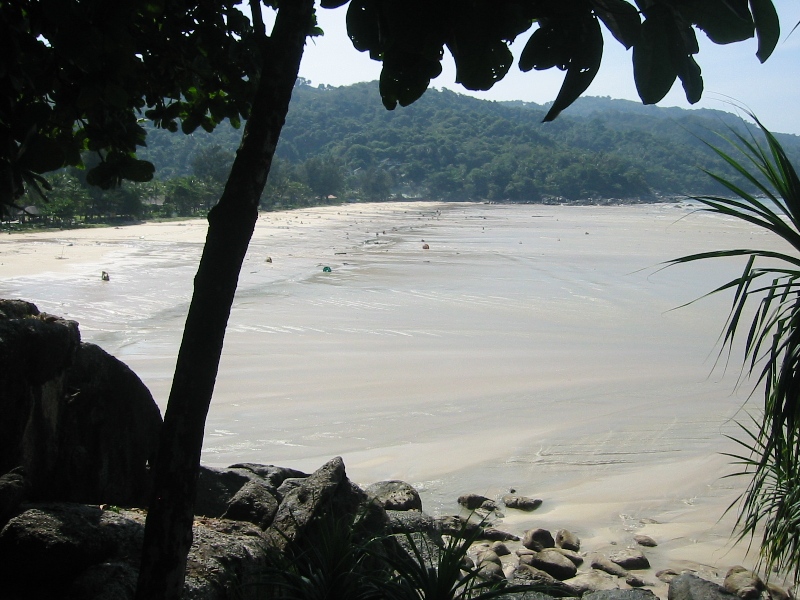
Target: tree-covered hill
452 146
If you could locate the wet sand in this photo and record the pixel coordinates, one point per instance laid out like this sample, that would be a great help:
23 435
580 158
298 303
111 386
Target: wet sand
533 347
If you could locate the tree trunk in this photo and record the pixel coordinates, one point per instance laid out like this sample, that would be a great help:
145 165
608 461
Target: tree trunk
168 531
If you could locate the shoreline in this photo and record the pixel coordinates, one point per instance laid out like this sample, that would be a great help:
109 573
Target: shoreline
446 412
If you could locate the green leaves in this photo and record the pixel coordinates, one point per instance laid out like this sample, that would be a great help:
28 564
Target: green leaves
621 19
767 26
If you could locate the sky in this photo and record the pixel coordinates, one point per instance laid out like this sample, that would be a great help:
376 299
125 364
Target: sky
732 74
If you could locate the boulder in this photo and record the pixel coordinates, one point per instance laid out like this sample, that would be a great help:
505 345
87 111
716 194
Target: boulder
630 558
412 521
594 581
216 488
645 540
620 595
254 503
455 525
567 540
112 580
602 563
487 556
79 421
475 501
500 549
576 558
690 587
272 475
491 571
395 495
496 535
667 575
13 490
552 563
527 575
538 539
743 583
778 593
521 502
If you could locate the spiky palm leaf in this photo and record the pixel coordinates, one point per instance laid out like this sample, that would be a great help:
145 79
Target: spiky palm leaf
772 346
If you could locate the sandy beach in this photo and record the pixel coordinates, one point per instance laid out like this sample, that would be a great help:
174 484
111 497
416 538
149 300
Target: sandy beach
533 347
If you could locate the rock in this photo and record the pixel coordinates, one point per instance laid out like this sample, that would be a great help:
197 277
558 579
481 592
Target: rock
635 581
527 575
455 525
274 476
621 595
645 540
491 571
63 540
538 539
500 549
216 488
327 489
79 421
567 540
412 521
521 502
420 546
475 501
13 489
395 495
690 587
496 535
743 583
551 562
600 562
113 580
576 558
667 575
630 559
254 503
487 556
594 581
109 433
778 593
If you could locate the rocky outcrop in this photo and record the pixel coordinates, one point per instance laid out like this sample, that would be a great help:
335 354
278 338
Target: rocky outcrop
691 587
395 495
79 421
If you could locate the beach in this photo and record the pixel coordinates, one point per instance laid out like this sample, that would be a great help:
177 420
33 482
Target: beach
536 347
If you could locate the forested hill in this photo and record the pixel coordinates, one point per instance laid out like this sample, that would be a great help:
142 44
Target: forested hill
452 146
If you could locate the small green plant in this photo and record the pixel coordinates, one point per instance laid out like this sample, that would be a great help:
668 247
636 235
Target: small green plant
771 443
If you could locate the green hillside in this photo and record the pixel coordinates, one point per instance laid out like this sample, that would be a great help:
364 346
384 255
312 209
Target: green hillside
451 146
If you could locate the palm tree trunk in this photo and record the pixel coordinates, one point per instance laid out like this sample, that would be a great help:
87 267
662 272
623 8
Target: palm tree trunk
168 531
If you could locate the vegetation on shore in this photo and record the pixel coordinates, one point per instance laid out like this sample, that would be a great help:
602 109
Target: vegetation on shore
338 146
770 506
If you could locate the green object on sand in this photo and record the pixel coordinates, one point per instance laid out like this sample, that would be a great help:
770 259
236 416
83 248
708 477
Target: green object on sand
326 269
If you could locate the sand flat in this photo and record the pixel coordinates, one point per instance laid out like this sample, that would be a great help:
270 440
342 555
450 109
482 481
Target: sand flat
533 347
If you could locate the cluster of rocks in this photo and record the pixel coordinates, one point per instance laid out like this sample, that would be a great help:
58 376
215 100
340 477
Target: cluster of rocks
79 432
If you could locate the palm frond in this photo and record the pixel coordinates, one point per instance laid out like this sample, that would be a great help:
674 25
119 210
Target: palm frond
771 502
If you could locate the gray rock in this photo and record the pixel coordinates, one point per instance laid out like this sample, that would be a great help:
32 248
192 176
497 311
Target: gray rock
79 421
527 575
778 593
496 535
743 583
630 558
312 497
576 558
593 581
551 562
690 587
538 539
567 540
395 495
272 475
645 540
411 521
487 556
254 503
667 575
13 489
216 488
455 525
420 546
475 501
288 484
500 549
635 581
491 571
620 595
521 502
602 563
113 580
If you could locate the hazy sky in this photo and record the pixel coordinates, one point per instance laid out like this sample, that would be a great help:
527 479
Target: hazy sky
731 73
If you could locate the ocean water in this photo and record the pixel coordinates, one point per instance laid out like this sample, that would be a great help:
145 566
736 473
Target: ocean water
533 347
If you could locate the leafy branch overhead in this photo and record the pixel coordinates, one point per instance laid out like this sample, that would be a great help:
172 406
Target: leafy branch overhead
80 76
409 37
